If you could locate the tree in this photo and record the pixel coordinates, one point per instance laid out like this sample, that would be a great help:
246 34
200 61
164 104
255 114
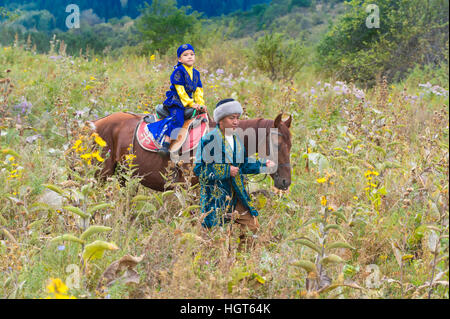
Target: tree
410 33
163 25
277 58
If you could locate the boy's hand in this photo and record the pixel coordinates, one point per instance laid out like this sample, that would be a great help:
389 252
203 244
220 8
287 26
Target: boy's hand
198 107
234 170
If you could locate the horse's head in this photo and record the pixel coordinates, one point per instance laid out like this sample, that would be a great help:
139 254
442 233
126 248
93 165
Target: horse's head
281 140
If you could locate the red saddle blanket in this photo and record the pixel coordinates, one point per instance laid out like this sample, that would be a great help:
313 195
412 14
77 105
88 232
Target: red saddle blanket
188 137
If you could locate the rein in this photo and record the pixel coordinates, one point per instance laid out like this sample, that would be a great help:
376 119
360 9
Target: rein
271 152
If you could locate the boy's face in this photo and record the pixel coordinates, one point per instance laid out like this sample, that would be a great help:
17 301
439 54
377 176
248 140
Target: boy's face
187 57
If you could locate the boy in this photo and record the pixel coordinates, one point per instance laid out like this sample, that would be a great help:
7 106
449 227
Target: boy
186 90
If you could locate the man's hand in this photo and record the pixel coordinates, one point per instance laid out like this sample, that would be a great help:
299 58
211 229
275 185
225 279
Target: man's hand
269 163
234 170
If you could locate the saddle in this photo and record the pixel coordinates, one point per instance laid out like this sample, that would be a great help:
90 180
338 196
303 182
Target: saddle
194 128
162 112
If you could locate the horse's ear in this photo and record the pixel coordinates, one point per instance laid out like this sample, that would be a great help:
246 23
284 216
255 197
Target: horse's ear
288 121
277 121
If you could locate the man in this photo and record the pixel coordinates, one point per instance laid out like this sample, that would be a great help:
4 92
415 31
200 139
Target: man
220 163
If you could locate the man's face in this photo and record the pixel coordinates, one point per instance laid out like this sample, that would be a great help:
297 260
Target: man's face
229 122
187 58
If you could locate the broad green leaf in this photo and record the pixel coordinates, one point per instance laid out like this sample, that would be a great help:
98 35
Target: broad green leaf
194 187
309 244
77 211
334 286
311 221
390 165
167 193
98 207
339 244
333 226
331 259
340 149
382 190
353 168
258 278
420 232
54 188
393 144
340 215
307 265
93 230
68 237
86 189
36 223
3 221
140 198
96 250
159 199
190 208
379 149
39 206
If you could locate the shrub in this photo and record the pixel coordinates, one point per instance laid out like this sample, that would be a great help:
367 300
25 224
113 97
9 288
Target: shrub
277 58
410 33
163 25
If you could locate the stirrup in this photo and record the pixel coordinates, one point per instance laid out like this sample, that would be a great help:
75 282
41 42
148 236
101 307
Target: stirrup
164 151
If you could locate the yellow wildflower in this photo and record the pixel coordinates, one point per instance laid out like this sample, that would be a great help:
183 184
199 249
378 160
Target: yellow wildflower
99 140
97 156
77 144
321 180
323 201
152 58
57 286
86 156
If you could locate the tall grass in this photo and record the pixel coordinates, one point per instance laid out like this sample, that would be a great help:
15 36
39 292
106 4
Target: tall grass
398 133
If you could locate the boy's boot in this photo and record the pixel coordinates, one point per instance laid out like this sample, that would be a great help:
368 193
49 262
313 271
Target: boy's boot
164 151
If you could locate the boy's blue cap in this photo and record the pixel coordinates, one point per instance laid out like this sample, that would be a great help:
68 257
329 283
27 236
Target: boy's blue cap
183 48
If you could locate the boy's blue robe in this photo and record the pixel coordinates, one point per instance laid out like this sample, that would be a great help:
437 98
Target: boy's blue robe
175 120
219 191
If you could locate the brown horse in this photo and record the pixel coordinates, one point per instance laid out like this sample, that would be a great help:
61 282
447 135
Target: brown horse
118 130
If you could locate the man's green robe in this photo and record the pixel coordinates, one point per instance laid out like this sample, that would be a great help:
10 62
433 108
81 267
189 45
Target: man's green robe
219 191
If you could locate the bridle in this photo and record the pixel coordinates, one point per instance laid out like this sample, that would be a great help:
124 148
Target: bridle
271 152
